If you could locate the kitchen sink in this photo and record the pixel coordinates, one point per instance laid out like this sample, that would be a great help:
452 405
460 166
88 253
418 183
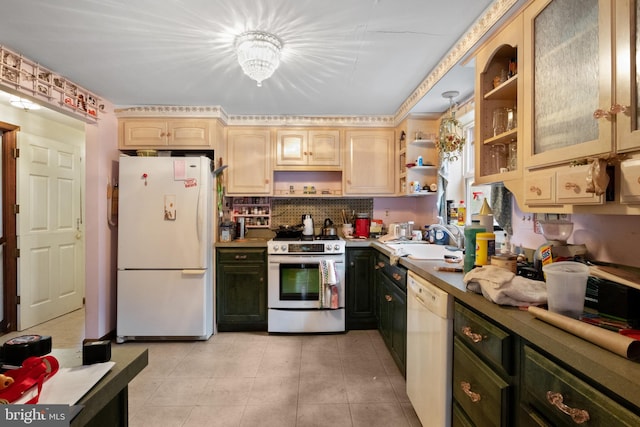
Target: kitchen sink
423 251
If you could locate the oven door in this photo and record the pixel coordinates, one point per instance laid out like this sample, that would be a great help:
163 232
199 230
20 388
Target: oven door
294 280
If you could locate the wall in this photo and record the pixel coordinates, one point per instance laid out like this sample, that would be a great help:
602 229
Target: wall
101 239
609 238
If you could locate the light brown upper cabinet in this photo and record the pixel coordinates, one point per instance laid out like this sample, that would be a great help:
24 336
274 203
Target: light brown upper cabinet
248 157
499 87
167 133
369 162
301 149
570 107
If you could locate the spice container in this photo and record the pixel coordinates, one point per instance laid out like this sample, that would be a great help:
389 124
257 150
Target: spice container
485 247
506 261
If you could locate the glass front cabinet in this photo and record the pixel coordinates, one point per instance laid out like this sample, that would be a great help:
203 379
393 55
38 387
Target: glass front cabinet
498 146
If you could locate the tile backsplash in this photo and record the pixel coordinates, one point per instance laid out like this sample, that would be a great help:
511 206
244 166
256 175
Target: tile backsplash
289 211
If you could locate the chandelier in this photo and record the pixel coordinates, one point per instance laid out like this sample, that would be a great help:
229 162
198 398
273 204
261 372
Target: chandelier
258 54
450 140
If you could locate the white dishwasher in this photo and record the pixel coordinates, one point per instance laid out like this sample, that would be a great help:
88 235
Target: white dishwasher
429 351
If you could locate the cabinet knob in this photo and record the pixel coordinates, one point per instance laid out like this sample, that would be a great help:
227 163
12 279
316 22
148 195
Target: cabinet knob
473 396
613 110
311 153
397 276
388 298
168 133
466 330
579 416
381 264
534 189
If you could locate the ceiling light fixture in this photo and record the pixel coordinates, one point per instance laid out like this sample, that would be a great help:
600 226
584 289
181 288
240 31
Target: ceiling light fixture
258 54
25 104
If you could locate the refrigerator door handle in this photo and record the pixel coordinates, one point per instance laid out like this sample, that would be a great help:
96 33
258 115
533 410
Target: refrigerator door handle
193 272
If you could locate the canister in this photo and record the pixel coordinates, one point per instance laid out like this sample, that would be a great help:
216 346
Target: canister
470 233
506 261
227 231
485 247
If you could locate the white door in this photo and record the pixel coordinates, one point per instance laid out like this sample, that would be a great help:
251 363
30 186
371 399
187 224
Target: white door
51 262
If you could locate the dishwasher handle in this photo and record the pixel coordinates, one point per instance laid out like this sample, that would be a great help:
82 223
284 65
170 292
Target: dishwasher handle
430 296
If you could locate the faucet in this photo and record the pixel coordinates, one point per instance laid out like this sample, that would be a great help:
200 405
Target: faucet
454 233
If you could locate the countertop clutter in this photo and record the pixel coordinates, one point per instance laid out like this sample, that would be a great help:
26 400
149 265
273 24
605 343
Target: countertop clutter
601 367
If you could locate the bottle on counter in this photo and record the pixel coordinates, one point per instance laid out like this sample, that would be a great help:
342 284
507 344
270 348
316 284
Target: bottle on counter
462 212
470 233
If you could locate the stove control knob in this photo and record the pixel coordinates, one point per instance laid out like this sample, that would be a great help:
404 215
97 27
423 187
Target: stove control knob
274 248
284 248
336 247
328 247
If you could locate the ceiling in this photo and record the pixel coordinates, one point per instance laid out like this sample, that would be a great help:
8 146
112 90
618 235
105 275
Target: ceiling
355 57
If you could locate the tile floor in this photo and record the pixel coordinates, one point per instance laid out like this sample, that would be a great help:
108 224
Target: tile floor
256 379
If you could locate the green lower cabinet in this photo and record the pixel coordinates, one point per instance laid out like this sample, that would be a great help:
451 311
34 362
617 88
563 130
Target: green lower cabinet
483 396
551 395
360 288
392 319
241 289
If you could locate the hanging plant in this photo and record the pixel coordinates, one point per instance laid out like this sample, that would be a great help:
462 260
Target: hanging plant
450 141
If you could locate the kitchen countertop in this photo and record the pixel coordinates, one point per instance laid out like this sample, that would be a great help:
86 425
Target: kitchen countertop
615 373
612 372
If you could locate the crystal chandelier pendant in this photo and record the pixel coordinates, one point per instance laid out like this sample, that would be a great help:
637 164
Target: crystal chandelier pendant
258 54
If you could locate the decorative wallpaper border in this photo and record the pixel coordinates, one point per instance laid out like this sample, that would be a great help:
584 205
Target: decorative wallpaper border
479 29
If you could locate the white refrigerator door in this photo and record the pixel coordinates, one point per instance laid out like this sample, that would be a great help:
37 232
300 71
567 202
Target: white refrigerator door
165 209
164 303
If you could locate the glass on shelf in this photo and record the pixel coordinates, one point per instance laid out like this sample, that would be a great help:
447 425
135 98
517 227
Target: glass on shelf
499 158
512 157
499 121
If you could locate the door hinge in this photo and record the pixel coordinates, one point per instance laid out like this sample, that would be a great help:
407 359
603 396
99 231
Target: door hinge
16 153
18 299
16 209
17 252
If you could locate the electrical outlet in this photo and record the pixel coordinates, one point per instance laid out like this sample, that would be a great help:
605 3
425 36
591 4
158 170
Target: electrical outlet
386 212
536 224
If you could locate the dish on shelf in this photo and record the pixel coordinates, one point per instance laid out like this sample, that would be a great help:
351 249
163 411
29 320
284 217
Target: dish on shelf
410 165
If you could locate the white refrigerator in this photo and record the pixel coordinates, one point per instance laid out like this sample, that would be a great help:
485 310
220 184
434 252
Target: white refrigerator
165 224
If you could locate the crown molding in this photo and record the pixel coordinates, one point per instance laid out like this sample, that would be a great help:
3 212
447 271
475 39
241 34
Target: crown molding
464 45
311 121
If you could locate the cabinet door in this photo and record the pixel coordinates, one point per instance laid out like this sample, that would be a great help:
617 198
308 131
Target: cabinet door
143 133
369 162
569 77
360 289
393 319
324 148
627 88
241 295
291 148
189 132
248 153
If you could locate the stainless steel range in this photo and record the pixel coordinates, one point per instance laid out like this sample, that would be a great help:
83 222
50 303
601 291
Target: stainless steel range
295 284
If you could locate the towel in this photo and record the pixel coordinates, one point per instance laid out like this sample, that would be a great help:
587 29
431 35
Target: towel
330 281
504 287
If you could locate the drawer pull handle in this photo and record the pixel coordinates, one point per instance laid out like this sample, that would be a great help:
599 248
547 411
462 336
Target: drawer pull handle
473 396
572 186
578 416
241 257
397 276
388 298
472 335
534 189
381 264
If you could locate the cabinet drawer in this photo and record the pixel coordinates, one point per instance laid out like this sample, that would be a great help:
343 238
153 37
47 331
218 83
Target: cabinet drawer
241 255
630 181
486 338
395 273
482 394
539 188
541 378
571 186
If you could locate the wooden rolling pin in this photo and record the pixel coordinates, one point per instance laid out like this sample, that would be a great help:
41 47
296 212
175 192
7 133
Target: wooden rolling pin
612 341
